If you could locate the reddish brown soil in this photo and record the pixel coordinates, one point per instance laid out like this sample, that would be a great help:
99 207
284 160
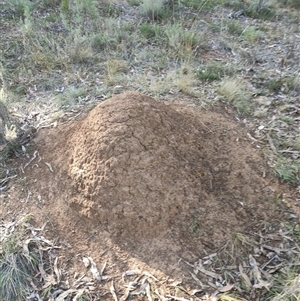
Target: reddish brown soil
151 181
140 167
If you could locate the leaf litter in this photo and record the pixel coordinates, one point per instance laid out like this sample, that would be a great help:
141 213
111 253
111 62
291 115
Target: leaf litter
269 254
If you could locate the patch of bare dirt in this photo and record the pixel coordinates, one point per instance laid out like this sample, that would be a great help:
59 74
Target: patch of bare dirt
140 167
146 182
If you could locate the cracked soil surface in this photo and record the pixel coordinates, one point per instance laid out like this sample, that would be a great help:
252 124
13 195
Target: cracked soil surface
147 182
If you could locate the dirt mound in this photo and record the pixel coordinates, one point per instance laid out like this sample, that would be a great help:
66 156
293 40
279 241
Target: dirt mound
145 183
140 167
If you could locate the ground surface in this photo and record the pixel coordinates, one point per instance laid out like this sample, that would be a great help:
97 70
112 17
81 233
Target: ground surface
148 182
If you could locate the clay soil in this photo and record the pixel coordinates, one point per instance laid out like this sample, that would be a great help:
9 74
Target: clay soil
141 183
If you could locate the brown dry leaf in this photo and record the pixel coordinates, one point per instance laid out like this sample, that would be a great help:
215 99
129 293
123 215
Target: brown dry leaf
191 265
49 166
177 298
197 280
79 294
148 291
212 285
49 279
86 262
92 288
32 284
211 298
175 283
272 144
278 251
48 242
262 283
25 246
182 289
65 294
195 291
259 283
56 270
131 287
113 291
254 266
245 277
103 268
226 288
35 230
147 274
276 268
126 294
210 256
201 269
131 273
35 296
36 153
142 289
78 280
161 297
94 270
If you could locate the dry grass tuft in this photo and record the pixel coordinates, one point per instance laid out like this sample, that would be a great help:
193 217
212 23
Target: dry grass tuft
234 90
290 289
18 263
115 67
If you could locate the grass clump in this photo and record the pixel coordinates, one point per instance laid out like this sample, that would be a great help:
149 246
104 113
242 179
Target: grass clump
77 13
115 67
260 12
287 285
214 71
174 33
150 31
134 2
111 10
294 229
18 263
15 270
186 79
182 41
9 127
284 84
18 7
291 3
71 96
234 28
288 170
200 5
209 74
65 6
102 41
195 4
250 34
153 9
287 119
236 93
291 290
